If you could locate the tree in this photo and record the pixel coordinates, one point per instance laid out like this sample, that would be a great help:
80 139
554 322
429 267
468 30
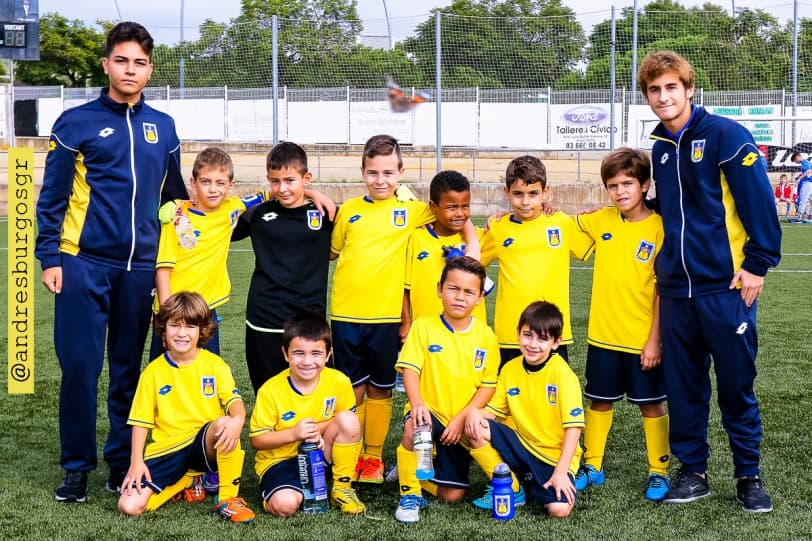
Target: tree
70 55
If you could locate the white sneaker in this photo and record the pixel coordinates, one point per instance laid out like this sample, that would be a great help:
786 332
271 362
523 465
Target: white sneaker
408 510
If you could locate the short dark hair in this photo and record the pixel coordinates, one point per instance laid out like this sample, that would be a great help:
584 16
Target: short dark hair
128 31
466 264
381 145
286 154
630 161
543 318
796 155
187 307
308 326
447 181
528 169
213 157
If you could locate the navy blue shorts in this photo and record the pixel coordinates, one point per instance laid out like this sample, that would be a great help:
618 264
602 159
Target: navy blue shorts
366 352
283 475
168 469
452 463
531 471
611 374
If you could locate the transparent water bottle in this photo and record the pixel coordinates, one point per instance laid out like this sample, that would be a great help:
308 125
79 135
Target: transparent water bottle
424 452
503 498
313 479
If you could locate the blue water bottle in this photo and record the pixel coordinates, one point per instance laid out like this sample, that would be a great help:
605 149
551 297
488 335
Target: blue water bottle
424 451
503 504
313 479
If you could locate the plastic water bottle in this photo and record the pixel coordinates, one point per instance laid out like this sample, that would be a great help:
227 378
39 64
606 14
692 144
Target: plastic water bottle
313 479
503 504
424 451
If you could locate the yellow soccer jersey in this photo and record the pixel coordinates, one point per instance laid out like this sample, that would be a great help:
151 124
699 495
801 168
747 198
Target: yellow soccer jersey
623 284
195 245
424 265
534 265
370 237
542 405
176 401
452 365
280 406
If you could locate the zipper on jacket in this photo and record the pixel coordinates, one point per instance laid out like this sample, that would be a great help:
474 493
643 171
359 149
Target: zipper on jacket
135 186
682 221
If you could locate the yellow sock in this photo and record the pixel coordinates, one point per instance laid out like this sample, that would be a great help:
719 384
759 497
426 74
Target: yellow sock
361 413
429 487
157 499
487 458
407 472
596 430
378 415
345 455
657 449
229 468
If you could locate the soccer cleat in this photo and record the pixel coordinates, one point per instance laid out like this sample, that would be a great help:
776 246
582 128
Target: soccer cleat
347 500
73 487
657 487
392 474
235 510
359 467
194 493
372 471
486 500
114 480
750 494
409 507
687 487
211 483
588 476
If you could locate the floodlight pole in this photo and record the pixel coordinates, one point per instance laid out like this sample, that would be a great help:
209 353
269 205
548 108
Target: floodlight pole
118 10
182 70
388 26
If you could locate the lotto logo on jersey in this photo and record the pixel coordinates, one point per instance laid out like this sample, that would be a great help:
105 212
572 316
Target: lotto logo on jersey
288 415
554 237
329 407
422 255
644 251
164 390
399 219
697 150
207 385
552 395
479 358
150 133
314 220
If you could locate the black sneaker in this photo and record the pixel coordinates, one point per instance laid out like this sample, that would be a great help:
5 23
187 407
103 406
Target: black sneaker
750 494
687 487
73 487
114 480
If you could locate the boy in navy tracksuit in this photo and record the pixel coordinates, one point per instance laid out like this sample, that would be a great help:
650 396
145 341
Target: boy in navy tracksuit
109 162
721 236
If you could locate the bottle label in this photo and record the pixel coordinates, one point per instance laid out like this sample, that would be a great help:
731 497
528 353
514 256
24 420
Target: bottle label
502 506
319 477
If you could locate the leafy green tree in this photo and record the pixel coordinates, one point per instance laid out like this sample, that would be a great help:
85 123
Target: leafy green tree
70 55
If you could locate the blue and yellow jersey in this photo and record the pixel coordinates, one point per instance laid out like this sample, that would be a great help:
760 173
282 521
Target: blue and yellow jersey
370 237
534 265
452 365
542 405
623 284
174 401
424 265
280 406
107 167
195 246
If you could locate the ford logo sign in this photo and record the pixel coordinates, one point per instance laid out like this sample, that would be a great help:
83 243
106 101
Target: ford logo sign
585 115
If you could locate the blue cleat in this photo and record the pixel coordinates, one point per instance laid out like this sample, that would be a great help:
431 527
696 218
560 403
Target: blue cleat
588 476
486 500
657 487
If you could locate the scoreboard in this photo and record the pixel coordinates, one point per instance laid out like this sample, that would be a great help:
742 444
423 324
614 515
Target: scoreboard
19 29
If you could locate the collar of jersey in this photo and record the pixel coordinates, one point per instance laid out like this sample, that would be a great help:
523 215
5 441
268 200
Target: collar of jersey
450 328
515 220
676 136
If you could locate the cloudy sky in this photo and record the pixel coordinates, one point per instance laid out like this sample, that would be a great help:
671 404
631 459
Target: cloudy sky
162 17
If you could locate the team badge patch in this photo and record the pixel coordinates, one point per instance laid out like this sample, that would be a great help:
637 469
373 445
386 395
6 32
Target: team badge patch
552 395
329 407
399 218
554 237
207 386
697 150
150 132
314 220
479 358
644 251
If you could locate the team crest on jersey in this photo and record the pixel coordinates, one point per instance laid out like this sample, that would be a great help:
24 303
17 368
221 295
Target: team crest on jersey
314 219
697 150
329 407
554 237
150 132
479 358
644 251
552 395
207 385
399 218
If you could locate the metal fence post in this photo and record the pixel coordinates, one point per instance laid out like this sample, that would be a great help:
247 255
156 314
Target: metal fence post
275 69
439 90
612 76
